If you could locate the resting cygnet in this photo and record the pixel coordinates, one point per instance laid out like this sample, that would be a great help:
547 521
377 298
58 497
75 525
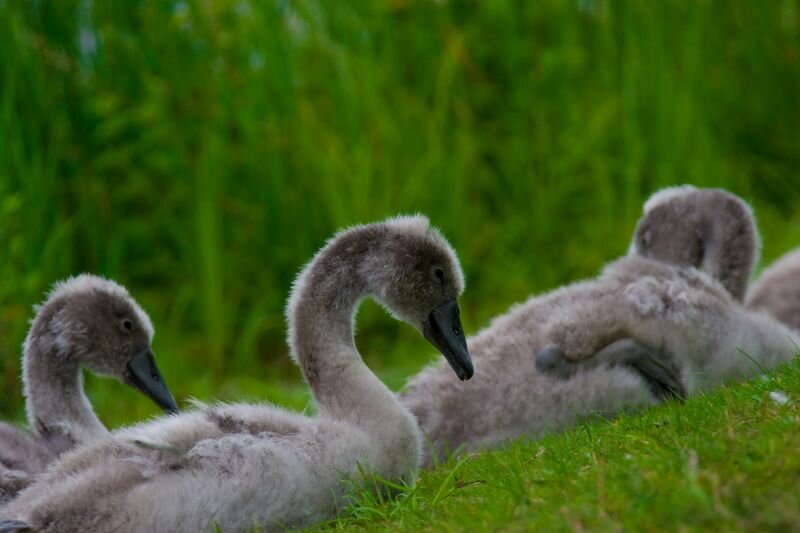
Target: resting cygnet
777 290
86 322
723 339
635 317
236 466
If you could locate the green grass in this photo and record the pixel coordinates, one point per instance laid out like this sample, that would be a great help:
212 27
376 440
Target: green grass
726 461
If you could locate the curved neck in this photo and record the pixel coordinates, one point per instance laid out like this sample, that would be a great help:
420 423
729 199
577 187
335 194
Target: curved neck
321 315
731 246
55 403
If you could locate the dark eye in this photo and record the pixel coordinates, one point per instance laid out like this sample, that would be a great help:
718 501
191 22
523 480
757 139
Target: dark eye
127 324
437 273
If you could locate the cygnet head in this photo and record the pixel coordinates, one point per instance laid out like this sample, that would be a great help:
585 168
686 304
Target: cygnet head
94 323
703 228
422 286
410 268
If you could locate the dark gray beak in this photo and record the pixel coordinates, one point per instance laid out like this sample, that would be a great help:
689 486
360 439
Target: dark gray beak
443 330
143 375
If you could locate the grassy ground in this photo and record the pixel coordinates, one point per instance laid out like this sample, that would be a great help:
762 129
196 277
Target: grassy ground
726 461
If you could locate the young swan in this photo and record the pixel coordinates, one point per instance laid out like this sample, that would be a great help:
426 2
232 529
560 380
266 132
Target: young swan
86 322
777 290
660 305
240 465
674 309
709 229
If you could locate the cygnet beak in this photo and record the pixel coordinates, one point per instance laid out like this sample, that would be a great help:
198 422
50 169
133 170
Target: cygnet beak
142 374
443 330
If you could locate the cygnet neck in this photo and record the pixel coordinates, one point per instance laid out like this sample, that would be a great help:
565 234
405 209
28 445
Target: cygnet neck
731 243
321 316
56 405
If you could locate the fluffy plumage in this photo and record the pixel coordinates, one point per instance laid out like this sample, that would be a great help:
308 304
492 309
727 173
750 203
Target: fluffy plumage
86 322
777 290
22 455
715 231
684 313
674 309
709 229
239 465
724 340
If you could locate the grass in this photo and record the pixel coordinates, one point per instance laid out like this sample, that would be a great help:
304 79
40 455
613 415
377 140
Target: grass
725 461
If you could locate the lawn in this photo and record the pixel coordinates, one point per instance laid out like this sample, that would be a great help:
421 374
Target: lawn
724 461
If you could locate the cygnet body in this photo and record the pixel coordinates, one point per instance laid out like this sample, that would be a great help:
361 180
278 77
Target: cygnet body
777 290
682 314
724 339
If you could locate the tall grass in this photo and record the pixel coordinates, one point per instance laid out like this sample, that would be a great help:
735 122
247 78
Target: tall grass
199 152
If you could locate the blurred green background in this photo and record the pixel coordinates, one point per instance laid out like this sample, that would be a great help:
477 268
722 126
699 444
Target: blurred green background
199 152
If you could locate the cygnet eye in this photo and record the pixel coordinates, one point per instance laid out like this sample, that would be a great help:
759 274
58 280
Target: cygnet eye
437 274
127 325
